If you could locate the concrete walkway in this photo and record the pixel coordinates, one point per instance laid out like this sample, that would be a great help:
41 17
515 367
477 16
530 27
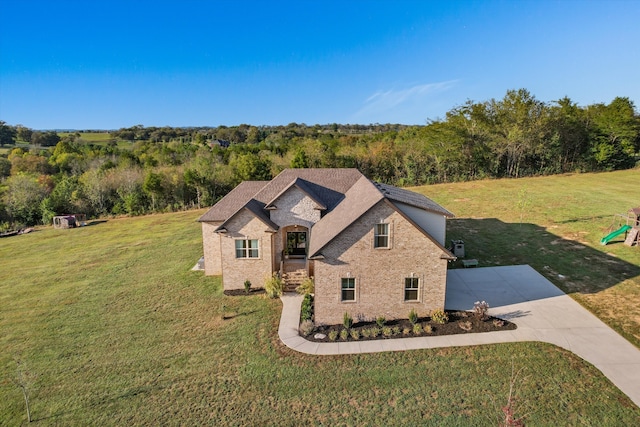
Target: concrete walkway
515 293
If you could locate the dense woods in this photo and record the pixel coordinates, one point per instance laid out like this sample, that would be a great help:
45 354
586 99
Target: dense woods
149 169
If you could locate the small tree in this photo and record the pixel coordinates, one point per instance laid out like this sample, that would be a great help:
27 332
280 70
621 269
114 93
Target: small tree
24 379
347 320
247 286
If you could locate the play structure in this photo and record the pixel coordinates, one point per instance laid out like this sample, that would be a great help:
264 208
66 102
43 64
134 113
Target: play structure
630 228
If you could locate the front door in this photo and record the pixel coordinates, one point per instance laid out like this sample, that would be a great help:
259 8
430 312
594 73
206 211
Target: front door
297 243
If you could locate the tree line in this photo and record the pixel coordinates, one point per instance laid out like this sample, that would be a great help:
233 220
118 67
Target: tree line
141 169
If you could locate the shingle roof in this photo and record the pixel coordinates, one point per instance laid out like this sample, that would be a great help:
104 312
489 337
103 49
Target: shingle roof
305 187
410 198
361 197
233 201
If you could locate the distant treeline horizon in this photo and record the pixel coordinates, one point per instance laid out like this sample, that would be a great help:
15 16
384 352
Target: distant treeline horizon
140 169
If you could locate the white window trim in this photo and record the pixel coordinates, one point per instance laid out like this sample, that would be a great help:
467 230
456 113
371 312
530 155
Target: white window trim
355 290
247 249
418 293
376 235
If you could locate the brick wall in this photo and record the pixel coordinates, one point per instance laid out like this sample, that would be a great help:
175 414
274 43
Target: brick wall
379 273
236 270
211 246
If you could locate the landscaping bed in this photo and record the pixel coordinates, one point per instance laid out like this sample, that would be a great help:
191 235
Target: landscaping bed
450 322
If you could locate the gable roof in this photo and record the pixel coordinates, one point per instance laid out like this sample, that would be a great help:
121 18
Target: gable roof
360 198
235 200
303 186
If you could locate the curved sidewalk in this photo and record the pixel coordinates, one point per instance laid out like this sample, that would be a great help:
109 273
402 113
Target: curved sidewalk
515 293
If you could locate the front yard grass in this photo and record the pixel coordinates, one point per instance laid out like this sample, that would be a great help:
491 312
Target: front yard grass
117 330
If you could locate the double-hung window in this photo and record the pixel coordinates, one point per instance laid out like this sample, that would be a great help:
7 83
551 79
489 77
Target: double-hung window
381 236
411 287
247 248
348 289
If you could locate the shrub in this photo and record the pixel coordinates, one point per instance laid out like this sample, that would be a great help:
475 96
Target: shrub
344 334
417 329
247 286
406 331
306 327
386 331
333 335
428 329
375 332
306 287
380 321
347 320
413 317
355 334
465 326
306 310
274 286
439 316
366 332
395 330
481 309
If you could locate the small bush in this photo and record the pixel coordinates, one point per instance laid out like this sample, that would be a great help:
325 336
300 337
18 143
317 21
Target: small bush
366 332
355 334
428 329
375 332
386 331
395 330
417 329
439 316
274 286
344 334
247 286
406 331
306 287
347 320
413 317
306 327
481 309
465 326
498 323
333 335
306 309
380 321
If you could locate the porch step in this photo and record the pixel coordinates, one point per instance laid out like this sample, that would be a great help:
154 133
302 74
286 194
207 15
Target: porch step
294 278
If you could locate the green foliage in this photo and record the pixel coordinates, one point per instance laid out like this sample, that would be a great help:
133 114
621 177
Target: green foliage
274 286
306 310
347 320
387 331
333 334
247 286
380 321
344 334
417 329
306 287
395 330
439 316
355 334
413 316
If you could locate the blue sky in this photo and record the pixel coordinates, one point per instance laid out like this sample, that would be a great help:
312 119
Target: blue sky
112 64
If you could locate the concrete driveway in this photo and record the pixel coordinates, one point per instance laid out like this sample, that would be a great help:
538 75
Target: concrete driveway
515 293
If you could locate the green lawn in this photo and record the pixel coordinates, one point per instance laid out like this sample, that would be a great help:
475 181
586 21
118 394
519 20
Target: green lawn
118 331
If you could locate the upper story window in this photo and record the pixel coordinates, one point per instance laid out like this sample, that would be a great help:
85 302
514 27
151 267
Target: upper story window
348 289
247 248
381 236
411 287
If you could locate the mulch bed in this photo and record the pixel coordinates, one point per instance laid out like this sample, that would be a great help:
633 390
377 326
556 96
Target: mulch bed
452 327
240 292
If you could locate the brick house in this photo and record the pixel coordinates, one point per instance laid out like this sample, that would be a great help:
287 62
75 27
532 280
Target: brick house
373 249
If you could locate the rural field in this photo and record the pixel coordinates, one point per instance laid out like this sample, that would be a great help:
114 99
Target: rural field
111 327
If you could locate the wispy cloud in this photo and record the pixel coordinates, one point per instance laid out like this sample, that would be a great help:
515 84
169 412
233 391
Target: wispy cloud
383 102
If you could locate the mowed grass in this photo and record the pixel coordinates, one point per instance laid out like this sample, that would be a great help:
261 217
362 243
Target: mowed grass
555 225
117 330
